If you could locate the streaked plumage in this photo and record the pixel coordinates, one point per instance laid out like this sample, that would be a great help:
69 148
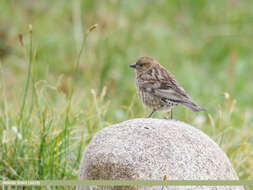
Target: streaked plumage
158 89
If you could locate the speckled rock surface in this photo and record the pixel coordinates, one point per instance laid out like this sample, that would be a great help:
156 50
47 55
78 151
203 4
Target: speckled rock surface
152 148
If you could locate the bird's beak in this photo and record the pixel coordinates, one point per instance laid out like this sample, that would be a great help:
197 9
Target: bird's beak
133 65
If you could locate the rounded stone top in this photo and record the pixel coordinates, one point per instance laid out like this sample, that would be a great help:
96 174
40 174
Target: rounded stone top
152 148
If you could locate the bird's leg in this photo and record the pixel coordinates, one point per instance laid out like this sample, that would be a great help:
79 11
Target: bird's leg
153 111
171 114
168 115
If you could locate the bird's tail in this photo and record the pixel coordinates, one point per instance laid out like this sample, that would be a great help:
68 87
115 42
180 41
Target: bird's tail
194 107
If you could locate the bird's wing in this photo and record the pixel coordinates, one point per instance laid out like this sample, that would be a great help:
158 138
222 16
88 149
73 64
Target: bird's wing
166 89
159 82
162 83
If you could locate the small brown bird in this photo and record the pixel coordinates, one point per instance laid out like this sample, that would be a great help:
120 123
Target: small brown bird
158 89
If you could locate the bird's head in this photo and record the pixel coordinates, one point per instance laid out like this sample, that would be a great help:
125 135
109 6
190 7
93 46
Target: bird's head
143 64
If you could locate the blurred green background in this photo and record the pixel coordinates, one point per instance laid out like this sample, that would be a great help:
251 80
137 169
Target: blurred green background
50 115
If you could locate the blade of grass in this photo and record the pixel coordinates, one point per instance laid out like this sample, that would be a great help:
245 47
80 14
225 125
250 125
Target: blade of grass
28 75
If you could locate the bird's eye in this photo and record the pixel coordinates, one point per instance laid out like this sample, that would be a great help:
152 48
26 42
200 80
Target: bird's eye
141 65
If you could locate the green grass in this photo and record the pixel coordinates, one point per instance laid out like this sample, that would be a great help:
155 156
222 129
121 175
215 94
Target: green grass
55 95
